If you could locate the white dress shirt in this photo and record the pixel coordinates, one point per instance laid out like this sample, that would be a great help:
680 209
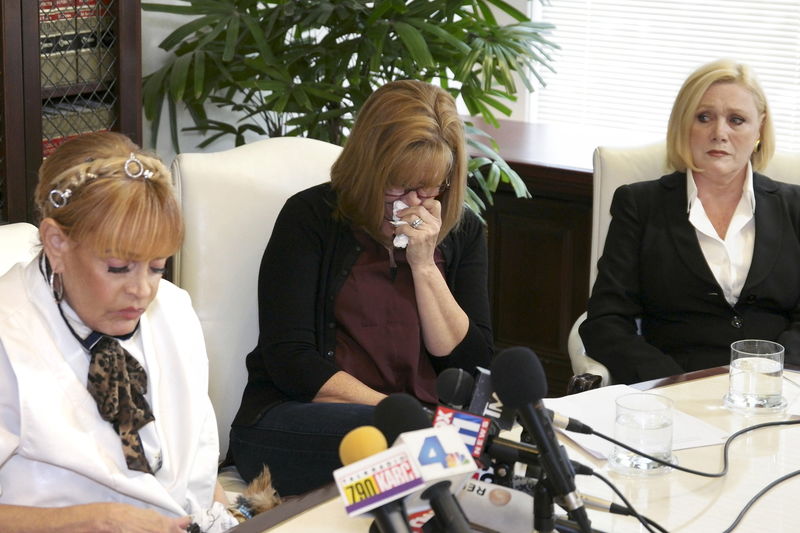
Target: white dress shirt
729 258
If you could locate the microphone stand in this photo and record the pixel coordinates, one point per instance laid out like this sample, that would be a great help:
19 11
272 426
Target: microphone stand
544 517
503 474
543 508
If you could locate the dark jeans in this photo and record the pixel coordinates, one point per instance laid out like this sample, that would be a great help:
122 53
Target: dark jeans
298 441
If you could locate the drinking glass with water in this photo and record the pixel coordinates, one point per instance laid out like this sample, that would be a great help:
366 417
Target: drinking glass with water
756 374
644 422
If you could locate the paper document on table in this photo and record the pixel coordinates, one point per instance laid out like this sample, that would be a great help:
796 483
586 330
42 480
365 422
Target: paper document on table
596 408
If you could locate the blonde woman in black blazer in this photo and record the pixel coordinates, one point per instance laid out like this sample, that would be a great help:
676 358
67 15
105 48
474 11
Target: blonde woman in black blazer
707 255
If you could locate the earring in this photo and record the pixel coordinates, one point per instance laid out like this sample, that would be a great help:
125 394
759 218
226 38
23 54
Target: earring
56 282
757 147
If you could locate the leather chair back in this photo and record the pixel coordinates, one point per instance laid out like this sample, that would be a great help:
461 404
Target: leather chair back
230 201
18 242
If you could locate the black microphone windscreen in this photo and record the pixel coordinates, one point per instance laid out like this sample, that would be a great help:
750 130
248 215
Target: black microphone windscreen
454 387
518 377
398 413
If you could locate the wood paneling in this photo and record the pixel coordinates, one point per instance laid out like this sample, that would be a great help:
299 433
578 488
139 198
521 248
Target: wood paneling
539 247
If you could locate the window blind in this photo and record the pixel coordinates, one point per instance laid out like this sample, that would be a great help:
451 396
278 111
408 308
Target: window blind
622 62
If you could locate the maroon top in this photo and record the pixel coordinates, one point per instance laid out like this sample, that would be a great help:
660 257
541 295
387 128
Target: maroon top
378 334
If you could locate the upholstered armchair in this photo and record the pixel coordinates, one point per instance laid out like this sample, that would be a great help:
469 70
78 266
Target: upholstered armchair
18 242
230 201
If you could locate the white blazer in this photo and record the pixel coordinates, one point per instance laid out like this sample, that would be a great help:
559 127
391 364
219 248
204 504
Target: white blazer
56 450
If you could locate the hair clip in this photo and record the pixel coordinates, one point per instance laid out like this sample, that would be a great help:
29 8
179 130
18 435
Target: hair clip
135 169
60 198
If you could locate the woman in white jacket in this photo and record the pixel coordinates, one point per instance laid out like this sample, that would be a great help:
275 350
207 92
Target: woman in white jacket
105 420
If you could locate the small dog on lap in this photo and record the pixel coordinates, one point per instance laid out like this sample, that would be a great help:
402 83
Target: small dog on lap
259 496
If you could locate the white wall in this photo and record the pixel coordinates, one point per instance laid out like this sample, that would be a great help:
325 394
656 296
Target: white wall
155 27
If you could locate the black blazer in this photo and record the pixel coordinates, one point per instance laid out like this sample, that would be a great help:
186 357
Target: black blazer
652 267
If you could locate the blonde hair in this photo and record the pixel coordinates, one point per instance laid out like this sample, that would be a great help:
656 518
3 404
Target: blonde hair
112 213
405 129
679 150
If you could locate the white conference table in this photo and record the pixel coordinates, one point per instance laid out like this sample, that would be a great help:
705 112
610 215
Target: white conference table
683 502
678 501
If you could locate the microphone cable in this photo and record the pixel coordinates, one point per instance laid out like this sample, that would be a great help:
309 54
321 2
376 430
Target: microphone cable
755 498
719 474
728 442
526 484
627 507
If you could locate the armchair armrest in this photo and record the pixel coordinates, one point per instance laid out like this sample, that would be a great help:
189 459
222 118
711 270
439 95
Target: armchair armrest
582 363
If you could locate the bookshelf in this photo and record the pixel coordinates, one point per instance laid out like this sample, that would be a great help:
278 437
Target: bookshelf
68 67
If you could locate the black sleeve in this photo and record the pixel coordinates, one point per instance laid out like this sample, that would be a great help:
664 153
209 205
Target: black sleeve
287 302
790 337
610 333
468 281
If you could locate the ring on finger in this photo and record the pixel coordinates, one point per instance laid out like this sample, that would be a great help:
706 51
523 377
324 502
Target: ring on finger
416 223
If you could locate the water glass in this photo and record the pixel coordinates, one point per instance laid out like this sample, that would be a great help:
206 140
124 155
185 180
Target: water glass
644 422
755 377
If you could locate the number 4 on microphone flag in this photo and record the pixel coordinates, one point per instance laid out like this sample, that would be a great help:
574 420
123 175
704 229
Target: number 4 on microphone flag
441 455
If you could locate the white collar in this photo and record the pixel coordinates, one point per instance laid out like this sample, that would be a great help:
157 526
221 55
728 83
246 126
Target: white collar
747 190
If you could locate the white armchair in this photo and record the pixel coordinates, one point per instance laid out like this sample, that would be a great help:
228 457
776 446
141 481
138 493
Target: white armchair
18 242
612 167
617 166
230 201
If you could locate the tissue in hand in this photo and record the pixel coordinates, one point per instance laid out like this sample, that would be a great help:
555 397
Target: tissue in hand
401 239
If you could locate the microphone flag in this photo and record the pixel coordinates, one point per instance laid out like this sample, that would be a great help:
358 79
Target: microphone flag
378 479
472 429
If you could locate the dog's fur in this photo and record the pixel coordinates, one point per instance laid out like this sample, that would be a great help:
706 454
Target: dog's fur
259 496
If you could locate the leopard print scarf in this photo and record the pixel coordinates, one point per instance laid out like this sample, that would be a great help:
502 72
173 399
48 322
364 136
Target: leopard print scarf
118 384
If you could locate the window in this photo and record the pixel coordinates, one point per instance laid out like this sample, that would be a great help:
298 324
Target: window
622 62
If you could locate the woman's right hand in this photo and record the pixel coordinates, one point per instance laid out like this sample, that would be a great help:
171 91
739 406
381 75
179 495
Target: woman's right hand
124 518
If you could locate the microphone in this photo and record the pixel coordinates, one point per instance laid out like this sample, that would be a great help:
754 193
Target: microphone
480 433
519 381
375 479
599 504
566 423
480 436
454 387
484 401
399 413
360 443
444 460
510 451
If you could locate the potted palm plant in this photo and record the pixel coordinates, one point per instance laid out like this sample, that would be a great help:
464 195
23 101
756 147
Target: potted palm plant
303 67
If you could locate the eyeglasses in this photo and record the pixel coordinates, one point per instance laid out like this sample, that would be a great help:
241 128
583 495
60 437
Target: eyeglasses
422 192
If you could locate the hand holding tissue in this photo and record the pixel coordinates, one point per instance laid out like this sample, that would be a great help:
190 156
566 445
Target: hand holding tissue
401 239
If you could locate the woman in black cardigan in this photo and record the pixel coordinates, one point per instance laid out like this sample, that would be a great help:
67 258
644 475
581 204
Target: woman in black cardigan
370 284
707 255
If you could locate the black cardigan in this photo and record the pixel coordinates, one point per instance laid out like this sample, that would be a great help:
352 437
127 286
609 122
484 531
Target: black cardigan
303 268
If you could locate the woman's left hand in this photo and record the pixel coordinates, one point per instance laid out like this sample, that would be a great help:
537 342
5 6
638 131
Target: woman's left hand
424 222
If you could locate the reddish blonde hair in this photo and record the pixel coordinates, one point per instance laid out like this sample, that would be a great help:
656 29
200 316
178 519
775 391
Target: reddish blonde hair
113 214
405 128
